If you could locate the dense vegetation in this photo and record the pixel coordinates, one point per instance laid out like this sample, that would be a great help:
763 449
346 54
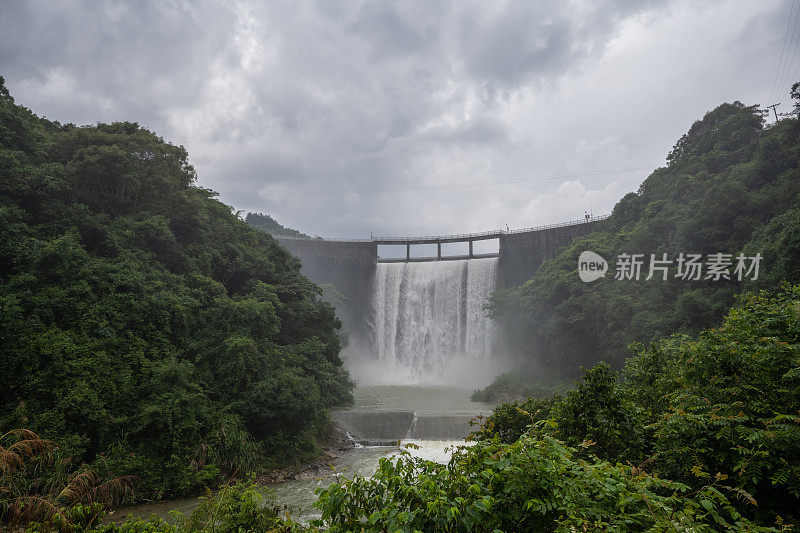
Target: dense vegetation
82 503
146 330
534 484
702 434
269 225
143 326
701 431
730 185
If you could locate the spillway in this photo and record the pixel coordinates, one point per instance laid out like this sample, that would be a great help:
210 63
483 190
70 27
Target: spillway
428 318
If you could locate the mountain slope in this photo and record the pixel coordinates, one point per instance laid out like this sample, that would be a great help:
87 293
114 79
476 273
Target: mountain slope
269 225
730 186
142 324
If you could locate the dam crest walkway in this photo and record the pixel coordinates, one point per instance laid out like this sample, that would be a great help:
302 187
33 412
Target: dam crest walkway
438 240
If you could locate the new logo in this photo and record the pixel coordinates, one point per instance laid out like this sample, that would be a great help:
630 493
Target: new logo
591 266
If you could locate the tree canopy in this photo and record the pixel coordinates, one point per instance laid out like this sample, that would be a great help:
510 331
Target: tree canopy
142 324
730 186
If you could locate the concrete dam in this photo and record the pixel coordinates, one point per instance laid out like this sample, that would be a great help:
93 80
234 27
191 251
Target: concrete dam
414 319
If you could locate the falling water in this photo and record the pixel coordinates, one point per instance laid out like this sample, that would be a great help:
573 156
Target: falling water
428 317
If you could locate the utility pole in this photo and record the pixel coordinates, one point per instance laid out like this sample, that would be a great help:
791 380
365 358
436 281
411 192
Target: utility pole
773 106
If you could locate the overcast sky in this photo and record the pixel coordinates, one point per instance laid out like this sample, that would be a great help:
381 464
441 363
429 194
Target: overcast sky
407 118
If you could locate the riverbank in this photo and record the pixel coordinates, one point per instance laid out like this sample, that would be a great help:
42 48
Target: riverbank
335 447
292 487
294 492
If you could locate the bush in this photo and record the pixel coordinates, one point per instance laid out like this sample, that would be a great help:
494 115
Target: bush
598 413
733 403
242 506
534 484
509 421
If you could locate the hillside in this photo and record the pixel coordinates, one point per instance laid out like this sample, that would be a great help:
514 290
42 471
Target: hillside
730 186
269 225
143 326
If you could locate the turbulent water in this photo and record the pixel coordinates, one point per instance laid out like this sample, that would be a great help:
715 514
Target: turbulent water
428 318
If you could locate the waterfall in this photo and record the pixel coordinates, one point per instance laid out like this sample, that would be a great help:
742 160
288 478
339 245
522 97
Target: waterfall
428 317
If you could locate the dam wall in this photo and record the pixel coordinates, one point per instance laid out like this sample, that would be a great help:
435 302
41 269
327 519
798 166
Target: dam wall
523 252
351 266
375 428
347 265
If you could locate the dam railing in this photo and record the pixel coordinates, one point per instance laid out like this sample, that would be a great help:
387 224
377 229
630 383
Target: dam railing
458 237
438 240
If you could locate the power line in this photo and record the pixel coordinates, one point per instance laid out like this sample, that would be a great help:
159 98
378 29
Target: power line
552 177
796 39
783 50
794 76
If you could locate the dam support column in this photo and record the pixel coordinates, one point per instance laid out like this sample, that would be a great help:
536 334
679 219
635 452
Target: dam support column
471 255
408 252
439 251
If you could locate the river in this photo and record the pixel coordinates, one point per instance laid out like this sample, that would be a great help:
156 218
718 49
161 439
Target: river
297 495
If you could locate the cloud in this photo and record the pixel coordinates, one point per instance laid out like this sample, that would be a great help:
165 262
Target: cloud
344 118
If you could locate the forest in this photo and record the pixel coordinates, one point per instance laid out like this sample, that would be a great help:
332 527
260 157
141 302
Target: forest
269 225
144 328
153 342
730 186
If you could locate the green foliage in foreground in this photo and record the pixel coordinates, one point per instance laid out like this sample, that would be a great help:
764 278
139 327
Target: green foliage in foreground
733 401
597 415
243 506
535 484
722 406
143 326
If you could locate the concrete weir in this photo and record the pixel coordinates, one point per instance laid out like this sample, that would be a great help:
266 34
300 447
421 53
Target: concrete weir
387 428
441 427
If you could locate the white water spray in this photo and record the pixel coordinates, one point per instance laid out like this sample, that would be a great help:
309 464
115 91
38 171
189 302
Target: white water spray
429 324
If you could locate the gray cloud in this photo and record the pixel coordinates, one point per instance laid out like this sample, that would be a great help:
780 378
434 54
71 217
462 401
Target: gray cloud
281 103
